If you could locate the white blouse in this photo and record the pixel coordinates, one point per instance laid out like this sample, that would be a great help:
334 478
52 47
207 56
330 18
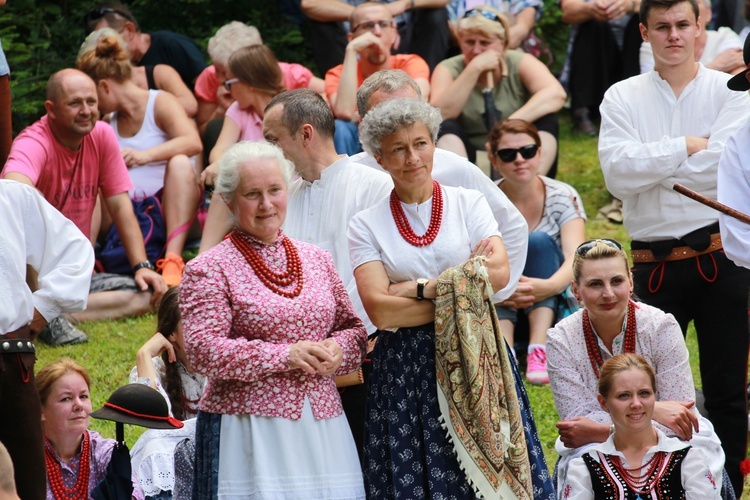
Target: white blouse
574 384
697 480
467 219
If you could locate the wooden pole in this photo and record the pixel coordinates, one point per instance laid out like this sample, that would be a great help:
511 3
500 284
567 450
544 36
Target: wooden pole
712 203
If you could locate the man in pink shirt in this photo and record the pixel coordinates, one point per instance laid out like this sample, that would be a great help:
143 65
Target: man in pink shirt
71 157
372 36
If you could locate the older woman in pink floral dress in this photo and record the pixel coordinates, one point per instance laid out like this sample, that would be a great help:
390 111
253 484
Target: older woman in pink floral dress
267 320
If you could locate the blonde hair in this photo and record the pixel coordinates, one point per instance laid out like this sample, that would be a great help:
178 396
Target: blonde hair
229 38
620 363
54 372
486 27
600 250
107 58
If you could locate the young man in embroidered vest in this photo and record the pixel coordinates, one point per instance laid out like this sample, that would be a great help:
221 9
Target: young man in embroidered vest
665 127
71 157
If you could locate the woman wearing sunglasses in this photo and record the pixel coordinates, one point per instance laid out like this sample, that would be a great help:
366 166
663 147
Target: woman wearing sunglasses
520 85
556 221
611 323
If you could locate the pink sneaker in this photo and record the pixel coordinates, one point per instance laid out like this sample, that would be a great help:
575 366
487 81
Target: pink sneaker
536 367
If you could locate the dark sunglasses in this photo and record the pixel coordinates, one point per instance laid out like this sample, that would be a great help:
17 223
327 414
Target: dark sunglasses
96 14
492 16
509 154
586 246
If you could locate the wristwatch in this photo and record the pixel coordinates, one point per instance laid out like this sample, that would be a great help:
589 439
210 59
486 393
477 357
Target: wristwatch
421 282
143 264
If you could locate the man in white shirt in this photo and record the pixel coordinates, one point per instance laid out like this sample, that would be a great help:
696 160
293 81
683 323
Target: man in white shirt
453 170
34 234
717 49
734 179
330 190
665 127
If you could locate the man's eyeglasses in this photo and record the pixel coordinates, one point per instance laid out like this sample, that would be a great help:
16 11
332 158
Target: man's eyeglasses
509 154
586 246
370 25
98 13
488 14
228 83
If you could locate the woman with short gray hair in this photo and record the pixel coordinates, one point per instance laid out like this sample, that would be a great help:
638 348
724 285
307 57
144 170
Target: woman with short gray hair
398 249
394 115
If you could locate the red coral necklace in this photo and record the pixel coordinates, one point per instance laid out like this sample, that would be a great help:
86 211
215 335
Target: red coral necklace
593 348
274 281
436 218
645 482
54 473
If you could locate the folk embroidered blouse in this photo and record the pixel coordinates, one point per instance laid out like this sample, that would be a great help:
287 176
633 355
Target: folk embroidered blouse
574 384
696 478
238 332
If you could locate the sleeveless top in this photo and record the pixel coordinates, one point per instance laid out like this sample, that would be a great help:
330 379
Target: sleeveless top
509 94
150 82
147 179
607 482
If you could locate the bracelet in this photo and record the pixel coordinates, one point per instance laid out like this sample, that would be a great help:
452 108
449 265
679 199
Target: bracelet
143 264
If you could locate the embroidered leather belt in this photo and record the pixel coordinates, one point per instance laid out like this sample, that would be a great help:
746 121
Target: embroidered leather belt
678 253
9 344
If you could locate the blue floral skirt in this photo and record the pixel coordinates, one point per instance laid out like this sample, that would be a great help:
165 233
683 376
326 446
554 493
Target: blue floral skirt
407 451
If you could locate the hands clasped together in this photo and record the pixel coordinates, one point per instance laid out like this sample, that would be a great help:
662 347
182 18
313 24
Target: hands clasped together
316 358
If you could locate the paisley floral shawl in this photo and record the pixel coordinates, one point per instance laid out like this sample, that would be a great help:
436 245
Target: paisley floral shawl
476 390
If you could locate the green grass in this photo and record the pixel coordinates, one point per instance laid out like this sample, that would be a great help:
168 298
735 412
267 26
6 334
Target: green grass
110 353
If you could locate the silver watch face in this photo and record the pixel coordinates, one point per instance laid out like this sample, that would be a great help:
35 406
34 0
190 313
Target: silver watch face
422 281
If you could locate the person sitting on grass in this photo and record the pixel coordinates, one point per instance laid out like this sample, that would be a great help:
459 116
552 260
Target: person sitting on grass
611 323
77 458
156 77
71 157
637 458
157 141
162 364
555 215
214 98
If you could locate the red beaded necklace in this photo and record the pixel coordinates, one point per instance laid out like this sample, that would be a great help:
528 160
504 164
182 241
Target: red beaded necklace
645 482
274 281
593 348
54 473
436 218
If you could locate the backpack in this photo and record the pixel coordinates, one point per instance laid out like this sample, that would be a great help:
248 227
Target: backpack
150 216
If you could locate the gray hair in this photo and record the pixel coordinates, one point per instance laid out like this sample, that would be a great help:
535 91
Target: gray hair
391 116
245 152
92 39
229 38
386 80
